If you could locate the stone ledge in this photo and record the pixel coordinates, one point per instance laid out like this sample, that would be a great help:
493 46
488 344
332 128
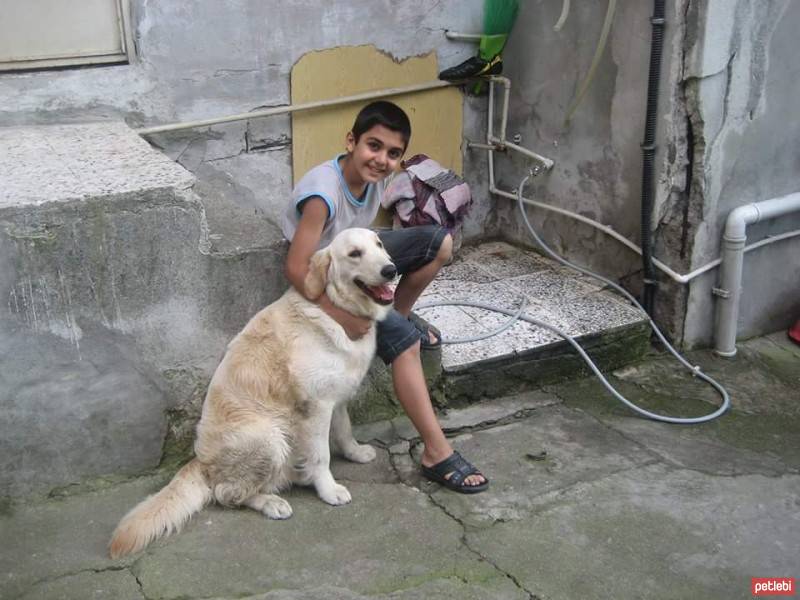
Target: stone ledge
55 163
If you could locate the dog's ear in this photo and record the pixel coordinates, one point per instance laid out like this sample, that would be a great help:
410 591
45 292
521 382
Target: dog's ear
317 277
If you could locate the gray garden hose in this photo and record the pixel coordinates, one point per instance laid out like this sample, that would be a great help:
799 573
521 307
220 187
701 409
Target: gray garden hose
695 370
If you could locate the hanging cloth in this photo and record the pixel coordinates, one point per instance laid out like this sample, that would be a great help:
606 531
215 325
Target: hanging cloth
426 193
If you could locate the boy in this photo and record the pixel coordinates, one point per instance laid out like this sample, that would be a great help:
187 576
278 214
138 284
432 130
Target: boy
346 192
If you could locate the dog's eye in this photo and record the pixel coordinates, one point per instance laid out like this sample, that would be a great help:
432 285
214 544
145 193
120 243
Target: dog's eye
379 244
354 253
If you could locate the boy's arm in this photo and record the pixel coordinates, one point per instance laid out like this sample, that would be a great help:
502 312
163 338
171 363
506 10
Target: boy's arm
304 244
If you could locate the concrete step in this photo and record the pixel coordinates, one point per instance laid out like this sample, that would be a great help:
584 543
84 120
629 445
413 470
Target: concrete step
121 284
613 331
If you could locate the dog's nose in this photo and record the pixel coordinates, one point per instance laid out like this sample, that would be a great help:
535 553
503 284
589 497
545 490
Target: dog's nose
389 271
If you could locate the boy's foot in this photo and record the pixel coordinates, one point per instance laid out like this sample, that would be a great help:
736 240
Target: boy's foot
456 473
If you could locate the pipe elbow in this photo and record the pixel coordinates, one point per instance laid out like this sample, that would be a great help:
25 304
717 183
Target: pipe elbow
502 80
738 220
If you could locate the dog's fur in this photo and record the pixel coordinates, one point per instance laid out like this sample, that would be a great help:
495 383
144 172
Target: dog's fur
281 387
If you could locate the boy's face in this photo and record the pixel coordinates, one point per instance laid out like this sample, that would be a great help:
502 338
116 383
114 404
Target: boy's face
377 152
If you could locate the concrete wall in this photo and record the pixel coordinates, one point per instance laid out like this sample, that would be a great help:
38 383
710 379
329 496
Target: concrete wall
597 170
726 136
742 89
204 59
120 291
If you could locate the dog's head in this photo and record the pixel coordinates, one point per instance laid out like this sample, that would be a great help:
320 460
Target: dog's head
355 271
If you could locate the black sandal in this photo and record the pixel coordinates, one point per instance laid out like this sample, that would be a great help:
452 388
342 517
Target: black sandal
426 329
460 469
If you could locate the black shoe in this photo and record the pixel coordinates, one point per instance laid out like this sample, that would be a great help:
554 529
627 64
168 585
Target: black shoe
473 67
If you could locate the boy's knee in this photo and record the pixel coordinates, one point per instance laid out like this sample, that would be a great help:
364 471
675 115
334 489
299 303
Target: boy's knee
410 353
445 250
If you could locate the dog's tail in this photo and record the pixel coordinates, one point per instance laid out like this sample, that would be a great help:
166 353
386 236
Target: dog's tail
163 513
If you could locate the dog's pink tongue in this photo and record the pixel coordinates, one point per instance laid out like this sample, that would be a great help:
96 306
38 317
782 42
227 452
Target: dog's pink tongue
382 292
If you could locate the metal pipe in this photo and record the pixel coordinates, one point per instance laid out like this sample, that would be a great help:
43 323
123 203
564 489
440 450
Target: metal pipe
490 132
502 142
546 162
504 116
715 263
490 116
480 146
290 108
608 230
561 211
468 37
733 243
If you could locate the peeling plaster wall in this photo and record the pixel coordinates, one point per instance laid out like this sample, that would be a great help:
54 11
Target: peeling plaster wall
742 89
206 59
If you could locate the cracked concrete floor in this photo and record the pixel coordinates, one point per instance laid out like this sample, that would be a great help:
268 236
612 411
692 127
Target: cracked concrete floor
587 501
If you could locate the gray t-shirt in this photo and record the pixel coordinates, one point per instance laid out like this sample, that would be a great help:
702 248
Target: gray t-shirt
344 210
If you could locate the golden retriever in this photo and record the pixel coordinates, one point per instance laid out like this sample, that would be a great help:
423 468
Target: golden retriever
280 389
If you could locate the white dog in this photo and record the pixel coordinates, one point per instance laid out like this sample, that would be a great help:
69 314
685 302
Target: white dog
281 388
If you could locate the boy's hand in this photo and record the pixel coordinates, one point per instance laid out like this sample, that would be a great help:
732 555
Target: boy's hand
355 327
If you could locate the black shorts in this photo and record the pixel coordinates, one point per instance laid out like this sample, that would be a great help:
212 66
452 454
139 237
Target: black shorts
410 249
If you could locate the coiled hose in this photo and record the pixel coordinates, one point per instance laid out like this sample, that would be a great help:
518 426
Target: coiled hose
695 370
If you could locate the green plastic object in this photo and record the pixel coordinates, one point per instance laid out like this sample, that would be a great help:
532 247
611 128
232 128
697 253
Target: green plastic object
498 19
499 16
492 45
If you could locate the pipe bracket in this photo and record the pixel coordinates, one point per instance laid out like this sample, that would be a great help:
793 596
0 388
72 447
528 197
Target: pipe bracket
721 292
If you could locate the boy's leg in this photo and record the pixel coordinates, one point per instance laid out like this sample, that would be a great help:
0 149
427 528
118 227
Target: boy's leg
399 345
419 253
412 284
412 393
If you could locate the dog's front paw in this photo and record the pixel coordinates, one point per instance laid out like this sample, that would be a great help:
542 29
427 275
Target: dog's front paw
270 505
277 508
336 495
360 453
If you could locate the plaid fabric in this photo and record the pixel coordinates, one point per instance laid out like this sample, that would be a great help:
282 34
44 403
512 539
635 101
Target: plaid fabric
426 193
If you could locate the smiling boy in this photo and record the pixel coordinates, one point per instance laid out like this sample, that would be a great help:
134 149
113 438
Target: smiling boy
346 192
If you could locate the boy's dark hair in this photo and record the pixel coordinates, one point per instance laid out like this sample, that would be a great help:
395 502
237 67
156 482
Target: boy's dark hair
383 113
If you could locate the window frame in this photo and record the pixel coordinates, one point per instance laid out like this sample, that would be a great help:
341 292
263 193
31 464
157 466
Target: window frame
124 56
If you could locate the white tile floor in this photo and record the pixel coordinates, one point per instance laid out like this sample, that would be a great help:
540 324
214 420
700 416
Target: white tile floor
499 274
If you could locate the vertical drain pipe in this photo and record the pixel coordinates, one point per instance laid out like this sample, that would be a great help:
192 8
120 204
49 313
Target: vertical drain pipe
733 240
649 152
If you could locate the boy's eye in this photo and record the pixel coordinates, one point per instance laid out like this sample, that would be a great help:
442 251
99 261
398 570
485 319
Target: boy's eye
395 154
374 146
354 253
